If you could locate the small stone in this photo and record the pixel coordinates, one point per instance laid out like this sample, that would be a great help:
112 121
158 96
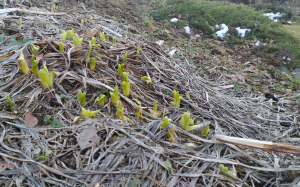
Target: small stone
283 69
285 124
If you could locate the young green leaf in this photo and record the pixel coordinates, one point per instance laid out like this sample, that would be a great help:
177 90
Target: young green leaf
120 110
126 88
34 48
171 137
81 97
22 63
63 36
93 64
47 119
125 57
46 78
91 18
120 69
77 41
61 47
102 36
20 21
148 80
139 113
63 96
205 131
226 170
34 68
56 123
88 113
186 122
100 99
94 42
12 108
114 39
177 99
82 22
70 33
166 122
115 95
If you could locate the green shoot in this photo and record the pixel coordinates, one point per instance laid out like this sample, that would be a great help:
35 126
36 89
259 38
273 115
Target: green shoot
91 18
34 66
125 75
148 80
115 95
77 41
107 37
205 131
102 36
139 113
81 98
82 22
70 33
120 111
176 99
120 69
88 57
114 39
168 164
126 88
226 170
61 47
171 137
54 7
154 111
186 122
63 36
12 108
165 122
93 42
34 48
46 78
93 64
88 113
125 58
138 52
100 99
22 63
20 21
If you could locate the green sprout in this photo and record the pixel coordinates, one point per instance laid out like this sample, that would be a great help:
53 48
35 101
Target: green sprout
81 97
88 57
20 21
125 57
154 111
63 36
114 39
139 113
205 131
100 99
77 41
70 33
12 108
171 137
102 36
126 87
46 77
22 63
93 42
34 66
226 170
148 80
93 64
186 122
165 122
54 7
176 99
138 52
88 113
61 47
91 18
115 95
120 111
107 37
34 48
82 22
120 69
125 75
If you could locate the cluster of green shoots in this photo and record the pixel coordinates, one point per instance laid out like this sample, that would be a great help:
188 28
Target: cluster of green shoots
81 98
43 74
126 85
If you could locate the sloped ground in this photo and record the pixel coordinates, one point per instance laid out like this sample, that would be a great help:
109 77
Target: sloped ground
115 152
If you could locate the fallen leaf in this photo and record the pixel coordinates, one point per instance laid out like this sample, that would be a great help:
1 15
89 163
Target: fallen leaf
5 165
30 120
88 137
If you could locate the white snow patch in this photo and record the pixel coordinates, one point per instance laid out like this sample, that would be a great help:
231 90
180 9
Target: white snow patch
187 30
198 36
288 59
174 20
242 31
221 33
272 16
257 43
283 57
